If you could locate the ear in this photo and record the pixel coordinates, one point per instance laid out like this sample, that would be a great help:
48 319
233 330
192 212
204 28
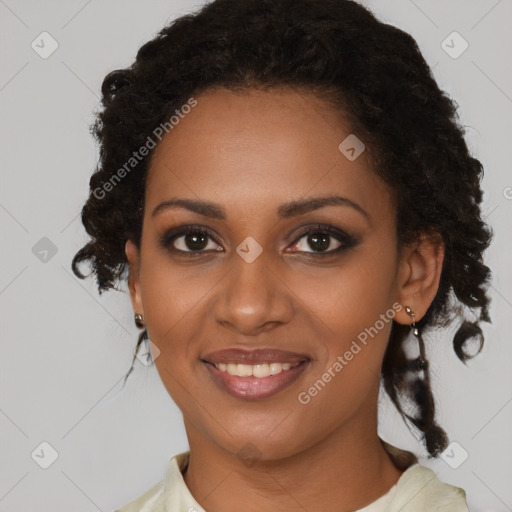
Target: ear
133 256
419 275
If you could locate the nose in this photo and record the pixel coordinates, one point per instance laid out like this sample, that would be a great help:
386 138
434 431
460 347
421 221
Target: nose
253 298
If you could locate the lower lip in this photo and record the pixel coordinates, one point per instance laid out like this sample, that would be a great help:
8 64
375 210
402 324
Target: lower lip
252 388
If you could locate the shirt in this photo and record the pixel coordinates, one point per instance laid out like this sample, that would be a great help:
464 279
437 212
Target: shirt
417 490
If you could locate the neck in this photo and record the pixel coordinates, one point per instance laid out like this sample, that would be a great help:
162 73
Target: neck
348 469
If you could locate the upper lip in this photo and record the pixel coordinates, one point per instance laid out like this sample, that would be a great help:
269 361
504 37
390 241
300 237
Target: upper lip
254 356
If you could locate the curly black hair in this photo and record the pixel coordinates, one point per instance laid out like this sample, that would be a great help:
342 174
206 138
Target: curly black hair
371 72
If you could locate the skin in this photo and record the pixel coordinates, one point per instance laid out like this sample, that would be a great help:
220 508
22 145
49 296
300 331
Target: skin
250 153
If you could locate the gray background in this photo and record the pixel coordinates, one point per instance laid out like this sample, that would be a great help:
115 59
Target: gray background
65 349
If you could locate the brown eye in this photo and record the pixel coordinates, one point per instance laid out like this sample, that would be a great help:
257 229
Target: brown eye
319 242
190 240
323 240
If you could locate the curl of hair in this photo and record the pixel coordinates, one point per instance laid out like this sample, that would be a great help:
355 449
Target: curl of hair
371 72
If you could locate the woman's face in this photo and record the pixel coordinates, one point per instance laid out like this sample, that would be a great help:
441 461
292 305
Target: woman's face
266 161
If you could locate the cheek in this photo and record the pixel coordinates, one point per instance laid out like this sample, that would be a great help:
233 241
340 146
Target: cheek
350 297
175 299
353 310
172 305
170 291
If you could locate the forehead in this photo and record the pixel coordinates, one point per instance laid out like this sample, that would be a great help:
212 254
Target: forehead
261 148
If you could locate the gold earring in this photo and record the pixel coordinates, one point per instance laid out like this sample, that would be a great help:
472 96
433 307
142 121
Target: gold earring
421 362
139 320
409 311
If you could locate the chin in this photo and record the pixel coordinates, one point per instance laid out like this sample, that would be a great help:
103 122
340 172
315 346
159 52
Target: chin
257 446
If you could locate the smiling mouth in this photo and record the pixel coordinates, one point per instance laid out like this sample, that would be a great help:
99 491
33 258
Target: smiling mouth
255 381
254 370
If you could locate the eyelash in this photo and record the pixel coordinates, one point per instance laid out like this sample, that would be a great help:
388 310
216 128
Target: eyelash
347 241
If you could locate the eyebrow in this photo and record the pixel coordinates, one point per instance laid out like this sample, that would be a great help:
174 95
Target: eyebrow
285 211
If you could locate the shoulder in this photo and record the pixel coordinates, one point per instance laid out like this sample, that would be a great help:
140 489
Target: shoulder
419 489
149 501
171 493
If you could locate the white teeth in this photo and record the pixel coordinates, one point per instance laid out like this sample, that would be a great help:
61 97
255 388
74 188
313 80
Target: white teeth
275 368
254 370
261 370
244 370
